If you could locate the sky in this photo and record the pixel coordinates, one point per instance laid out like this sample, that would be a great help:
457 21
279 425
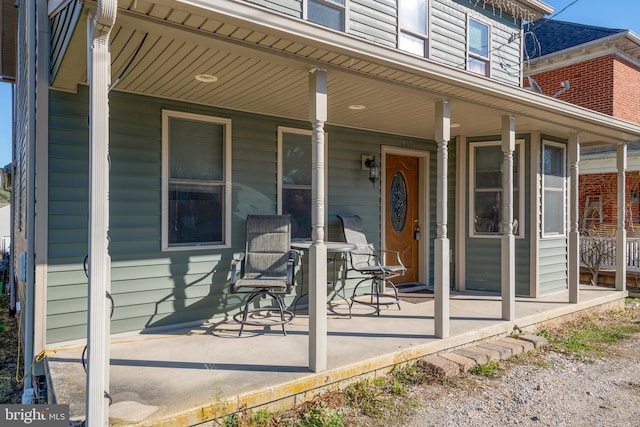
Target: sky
623 14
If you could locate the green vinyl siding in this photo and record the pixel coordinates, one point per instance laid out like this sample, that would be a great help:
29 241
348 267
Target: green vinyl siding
552 267
151 288
553 252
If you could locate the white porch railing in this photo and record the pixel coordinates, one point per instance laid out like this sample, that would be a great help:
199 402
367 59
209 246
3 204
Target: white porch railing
605 247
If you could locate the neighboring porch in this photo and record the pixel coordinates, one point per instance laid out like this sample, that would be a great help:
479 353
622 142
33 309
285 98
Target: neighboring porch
199 374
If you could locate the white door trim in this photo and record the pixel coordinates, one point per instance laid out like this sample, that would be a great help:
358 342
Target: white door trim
423 208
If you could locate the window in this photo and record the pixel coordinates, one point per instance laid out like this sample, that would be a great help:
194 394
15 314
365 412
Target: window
413 22
294 178
330 13
553 187
485 182
478 48
196 177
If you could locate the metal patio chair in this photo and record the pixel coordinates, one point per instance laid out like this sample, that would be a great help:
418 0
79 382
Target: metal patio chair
265 269
370 265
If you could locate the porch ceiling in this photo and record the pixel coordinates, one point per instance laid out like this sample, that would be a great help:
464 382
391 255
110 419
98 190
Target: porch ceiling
263 68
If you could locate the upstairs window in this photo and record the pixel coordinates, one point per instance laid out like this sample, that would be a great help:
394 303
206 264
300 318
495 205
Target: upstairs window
478 48
414 25
196 181
330 13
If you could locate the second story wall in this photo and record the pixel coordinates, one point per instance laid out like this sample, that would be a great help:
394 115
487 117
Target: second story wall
591 83
626 87
494 41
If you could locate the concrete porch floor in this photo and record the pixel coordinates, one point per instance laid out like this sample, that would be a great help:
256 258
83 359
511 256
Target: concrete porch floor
189 376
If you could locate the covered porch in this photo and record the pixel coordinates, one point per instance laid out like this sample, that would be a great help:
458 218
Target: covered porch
192 375
248 61
130 64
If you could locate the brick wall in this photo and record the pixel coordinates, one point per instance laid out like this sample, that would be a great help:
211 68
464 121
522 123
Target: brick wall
608 84
626 91
606 185
591 83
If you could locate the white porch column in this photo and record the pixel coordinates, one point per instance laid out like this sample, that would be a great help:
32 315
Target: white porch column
318 249
508 259
99 71
441 243
621 233
574 232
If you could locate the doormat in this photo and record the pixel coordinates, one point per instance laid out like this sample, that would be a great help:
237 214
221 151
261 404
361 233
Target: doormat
414 292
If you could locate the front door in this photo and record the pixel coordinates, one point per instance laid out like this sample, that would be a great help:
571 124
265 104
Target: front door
401 213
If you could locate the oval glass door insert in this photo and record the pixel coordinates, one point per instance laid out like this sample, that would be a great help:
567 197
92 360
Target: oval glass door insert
398 207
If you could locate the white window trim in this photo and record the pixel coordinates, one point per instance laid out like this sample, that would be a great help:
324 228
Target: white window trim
426 37
563 147
282 130
345 9
472 180
489 41
166 115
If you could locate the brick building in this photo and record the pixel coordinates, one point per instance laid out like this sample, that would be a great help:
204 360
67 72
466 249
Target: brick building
596 68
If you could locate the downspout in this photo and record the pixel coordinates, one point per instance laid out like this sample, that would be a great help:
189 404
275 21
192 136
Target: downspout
41 185
98 322
27 307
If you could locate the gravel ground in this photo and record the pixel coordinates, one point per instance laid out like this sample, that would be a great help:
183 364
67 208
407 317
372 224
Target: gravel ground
552 389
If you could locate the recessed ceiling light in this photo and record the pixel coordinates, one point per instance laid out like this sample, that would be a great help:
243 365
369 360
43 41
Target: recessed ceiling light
454 125
206 78
357 107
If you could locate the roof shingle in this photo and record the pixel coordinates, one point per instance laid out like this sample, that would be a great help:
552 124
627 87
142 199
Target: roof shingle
553 36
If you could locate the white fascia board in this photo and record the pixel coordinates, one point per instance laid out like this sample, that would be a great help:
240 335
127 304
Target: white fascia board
540 7
607 164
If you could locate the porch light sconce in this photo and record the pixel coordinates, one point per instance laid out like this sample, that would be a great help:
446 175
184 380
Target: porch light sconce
369 162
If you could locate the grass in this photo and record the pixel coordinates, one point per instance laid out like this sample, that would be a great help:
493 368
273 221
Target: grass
588 338
378 401
384 400
490 369
10 389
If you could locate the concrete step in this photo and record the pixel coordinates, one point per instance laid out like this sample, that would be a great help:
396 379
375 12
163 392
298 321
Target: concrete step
459 361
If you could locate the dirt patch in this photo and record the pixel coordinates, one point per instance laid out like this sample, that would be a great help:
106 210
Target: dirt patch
10 389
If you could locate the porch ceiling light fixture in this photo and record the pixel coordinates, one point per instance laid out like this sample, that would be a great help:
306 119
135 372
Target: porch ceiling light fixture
454 125
357 107
206 78
369 162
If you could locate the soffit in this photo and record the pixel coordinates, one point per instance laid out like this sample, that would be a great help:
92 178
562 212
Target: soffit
263 68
